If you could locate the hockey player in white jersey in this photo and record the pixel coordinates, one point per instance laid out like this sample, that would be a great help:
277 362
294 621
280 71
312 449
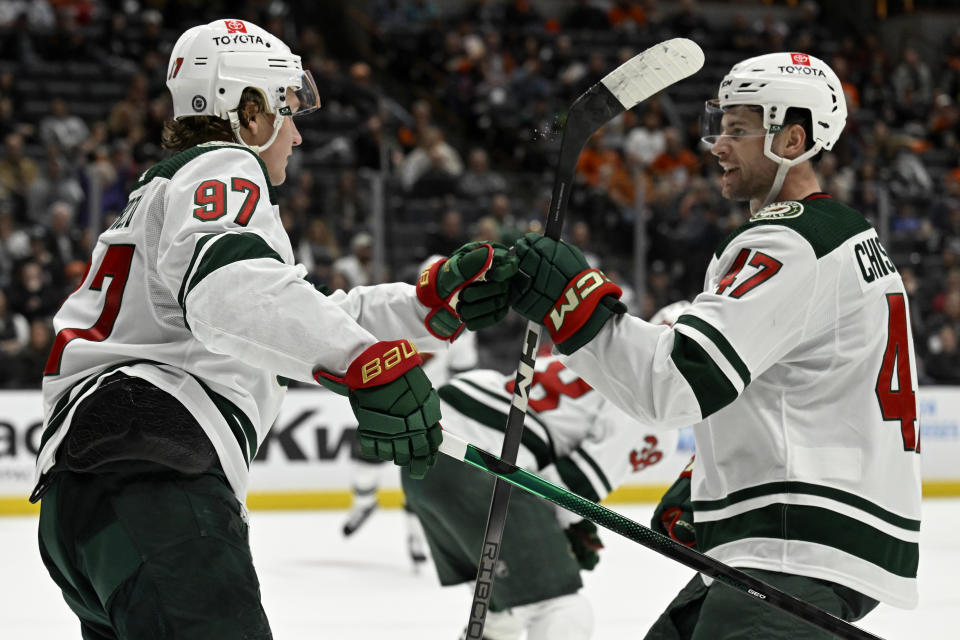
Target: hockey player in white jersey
170 359
796 364
573 437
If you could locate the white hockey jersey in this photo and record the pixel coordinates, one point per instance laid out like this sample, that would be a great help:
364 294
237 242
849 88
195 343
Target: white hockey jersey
798 365
194 289
572 435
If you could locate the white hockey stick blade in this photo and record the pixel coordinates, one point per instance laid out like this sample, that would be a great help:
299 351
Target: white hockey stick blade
654 70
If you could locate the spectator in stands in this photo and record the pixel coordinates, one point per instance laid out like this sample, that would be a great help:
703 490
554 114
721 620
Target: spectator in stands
676 162
33 294
739 36
357 267
647 140
64 239
912 83
585 15
501 210
942 362
63 129
14 244
131 110
434 162
450 233
350 200
479 182
627 15
317 251
580 236
14 333
688 22
56 182
33 357
17 173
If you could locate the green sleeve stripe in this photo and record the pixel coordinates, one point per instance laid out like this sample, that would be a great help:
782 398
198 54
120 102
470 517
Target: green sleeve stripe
197 250
776 488
494 419
596 469
241 426
575 479
710 385
529 415
721 343
228 249
814 525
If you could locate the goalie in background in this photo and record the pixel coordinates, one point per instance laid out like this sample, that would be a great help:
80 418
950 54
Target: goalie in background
572 437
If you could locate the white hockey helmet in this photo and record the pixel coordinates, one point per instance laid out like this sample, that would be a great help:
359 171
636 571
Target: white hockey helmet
212 64
775 83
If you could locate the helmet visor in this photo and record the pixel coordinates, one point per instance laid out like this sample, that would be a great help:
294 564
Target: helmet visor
305 99
736 121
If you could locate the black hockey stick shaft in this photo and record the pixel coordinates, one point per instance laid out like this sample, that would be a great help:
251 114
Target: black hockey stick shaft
748 585
581 124
626 86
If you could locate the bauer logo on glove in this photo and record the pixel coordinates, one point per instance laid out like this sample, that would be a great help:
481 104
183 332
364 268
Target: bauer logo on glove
387 361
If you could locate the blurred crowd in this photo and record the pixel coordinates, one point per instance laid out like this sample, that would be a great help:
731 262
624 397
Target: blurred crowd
447 118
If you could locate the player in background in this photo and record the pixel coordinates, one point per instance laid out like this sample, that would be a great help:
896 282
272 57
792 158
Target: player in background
574 438
170 360
796 364
365 476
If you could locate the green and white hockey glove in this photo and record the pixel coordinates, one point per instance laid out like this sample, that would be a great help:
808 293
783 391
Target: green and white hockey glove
557 288
470 288
397 409
585 543
673 517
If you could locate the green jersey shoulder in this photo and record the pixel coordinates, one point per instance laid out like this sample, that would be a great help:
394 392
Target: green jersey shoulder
167 167
820 220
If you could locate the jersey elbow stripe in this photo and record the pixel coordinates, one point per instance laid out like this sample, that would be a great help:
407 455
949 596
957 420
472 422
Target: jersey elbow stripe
496 420
599 477
575 479
814 525
226 249
710 385
709 332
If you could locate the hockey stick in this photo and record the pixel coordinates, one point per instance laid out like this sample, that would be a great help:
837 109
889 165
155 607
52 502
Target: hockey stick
623 88
598 514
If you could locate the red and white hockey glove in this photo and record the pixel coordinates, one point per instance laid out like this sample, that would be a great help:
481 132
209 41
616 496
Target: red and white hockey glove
470 288
555 287
397 409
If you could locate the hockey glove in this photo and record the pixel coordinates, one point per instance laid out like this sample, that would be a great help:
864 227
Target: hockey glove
397 409
557 288
585 543
443 287
673 517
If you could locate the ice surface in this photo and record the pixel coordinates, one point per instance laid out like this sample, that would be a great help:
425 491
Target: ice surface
318 584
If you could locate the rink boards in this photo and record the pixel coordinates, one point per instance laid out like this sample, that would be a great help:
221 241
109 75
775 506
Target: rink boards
309 456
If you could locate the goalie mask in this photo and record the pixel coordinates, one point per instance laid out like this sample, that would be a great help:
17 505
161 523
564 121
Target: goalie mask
212 64
774 83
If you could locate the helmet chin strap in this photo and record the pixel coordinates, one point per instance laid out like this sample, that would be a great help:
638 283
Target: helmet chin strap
257 149
783 166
